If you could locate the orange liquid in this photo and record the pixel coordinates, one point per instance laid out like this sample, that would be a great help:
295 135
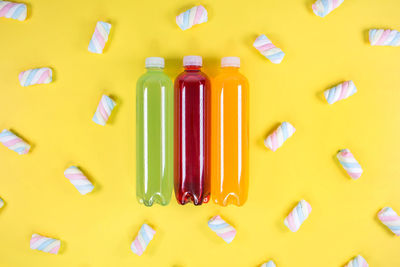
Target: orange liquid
230 135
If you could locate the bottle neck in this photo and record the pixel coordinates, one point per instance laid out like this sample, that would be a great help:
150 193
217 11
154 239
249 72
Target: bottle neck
154 69
192 68
230 69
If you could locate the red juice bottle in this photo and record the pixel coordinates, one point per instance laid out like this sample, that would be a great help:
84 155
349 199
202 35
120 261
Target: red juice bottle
192 133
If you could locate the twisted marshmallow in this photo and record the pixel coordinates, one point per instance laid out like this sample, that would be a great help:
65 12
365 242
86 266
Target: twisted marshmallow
45 244
13 142
384 37
222 229
142 240
340 91
191 17
104 110
269 264
13 10
35 76
79 180
268 49
279 136
390 218
1 203
100 37
298 215
324 7
349 163
358 261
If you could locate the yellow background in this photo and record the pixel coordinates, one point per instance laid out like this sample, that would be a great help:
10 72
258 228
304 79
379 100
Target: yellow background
97 229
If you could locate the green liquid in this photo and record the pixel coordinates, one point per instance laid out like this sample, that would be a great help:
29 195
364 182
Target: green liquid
154 138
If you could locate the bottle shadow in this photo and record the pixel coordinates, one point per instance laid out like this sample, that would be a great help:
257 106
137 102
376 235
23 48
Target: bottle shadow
211 66
173 66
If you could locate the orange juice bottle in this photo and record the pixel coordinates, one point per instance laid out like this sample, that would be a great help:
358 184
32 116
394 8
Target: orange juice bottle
230 135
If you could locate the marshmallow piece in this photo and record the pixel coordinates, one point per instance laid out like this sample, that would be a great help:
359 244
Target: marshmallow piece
390 218
298 215
79 180
13 10
269 264
222 228
142 240
13 142
100 37
358 261
45 244
340 91
268 49
191 17
279 136
1 203
104 110
384 37
324 7
349 163
35 76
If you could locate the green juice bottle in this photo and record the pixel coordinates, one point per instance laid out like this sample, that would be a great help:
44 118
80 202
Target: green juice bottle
154 135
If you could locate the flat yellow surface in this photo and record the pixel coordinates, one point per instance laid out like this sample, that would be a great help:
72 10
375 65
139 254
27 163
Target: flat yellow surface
97 229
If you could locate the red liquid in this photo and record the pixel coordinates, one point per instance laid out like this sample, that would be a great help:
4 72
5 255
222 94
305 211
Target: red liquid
192 136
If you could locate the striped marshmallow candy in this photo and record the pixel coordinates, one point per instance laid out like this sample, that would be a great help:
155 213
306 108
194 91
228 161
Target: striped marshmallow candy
104 110
268 49
35 76
222 228
269 264
13 10
358 261
390 218
45 244
191 17
13 142
340 91
79 180
384 37
279 136
142 240
298 215
349 163
1 203
100 37
324 7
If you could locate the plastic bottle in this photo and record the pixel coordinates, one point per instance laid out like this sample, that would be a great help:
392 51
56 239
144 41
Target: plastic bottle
154 135
192 133
230 135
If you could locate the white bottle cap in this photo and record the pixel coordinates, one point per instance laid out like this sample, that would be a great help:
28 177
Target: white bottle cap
192 61
155 62
230 62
